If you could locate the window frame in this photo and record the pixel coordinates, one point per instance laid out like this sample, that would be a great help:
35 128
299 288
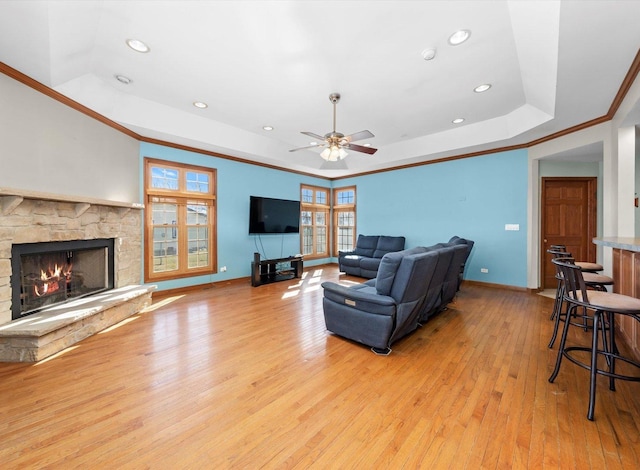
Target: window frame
314 207
343 207
182 197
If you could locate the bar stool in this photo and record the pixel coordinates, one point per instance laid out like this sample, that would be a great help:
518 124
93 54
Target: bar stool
606 306
560 251
594 281
586 266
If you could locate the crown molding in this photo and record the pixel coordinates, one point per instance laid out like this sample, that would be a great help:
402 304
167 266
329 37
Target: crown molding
626 84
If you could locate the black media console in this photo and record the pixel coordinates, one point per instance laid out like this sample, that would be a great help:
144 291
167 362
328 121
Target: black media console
274 270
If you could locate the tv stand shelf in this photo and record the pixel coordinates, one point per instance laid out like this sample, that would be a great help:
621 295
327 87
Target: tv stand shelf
274 270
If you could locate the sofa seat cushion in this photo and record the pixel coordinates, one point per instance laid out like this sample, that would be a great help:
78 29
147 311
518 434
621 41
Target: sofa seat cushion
370 264
352 260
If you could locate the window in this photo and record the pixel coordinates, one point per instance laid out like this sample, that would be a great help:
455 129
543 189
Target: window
314 217
344 217
180 220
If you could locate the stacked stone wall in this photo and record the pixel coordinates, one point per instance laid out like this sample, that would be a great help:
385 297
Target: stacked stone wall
32 221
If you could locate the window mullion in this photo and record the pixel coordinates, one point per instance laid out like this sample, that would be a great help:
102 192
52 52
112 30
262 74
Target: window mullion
314 232
182 237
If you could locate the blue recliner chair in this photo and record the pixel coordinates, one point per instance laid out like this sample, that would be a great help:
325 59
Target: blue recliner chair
433 302
452 279
456 240
378 313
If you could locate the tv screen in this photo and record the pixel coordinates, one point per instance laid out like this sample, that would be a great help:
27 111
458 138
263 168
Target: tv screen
267 215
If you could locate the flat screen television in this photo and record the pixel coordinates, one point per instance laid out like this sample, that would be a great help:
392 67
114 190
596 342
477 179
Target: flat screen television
267 215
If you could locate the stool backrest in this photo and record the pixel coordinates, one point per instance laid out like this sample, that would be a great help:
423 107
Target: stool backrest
567 259
574 286
555 253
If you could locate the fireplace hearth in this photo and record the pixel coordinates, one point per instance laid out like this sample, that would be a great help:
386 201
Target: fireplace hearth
51 273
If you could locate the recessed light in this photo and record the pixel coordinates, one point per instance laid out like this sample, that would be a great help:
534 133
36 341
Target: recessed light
200 104
138 45
267 128
459 37
313 142
458 120
123 79
481 88
428 54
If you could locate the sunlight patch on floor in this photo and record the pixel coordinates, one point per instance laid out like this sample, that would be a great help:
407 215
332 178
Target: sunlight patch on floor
119 324
550 293
290 294
58 354
161 303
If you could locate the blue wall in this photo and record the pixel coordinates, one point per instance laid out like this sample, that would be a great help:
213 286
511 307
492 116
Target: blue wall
473 198
236 182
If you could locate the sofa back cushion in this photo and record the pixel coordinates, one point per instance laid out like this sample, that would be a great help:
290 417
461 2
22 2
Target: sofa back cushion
366 245
387 245
433 300
456 240
387 272
388 268
413 277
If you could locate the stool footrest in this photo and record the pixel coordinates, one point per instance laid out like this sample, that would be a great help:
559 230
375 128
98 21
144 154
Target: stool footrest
609 355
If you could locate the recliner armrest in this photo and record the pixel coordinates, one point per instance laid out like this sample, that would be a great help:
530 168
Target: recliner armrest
356 298
344 253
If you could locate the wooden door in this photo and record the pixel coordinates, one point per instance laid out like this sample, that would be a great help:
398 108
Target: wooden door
568 215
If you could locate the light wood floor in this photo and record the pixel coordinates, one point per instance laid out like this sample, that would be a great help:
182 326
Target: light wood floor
240 377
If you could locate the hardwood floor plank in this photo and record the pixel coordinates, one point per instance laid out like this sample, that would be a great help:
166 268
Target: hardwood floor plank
238 377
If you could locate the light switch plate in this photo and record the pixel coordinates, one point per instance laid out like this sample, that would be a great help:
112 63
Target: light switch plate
514 227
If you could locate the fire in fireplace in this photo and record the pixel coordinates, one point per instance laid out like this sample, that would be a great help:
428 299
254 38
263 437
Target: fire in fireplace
46 274
53 279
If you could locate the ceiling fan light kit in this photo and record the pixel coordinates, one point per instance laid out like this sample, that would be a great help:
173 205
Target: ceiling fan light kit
333 154
336 144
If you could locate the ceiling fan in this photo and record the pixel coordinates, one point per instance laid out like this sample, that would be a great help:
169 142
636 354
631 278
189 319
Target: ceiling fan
336 144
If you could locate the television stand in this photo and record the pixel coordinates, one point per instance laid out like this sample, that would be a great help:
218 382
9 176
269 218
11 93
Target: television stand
274 270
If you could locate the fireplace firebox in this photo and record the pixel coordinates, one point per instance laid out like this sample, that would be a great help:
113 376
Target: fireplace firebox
50 273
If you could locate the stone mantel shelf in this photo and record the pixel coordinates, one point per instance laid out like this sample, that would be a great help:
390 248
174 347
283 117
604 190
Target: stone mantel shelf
12 198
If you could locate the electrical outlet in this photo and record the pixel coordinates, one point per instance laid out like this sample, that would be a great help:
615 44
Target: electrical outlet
223 269
484 270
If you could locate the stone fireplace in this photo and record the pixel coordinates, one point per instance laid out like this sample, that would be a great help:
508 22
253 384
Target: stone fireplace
51 273
29 219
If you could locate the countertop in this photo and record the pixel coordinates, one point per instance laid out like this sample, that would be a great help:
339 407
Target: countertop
624 243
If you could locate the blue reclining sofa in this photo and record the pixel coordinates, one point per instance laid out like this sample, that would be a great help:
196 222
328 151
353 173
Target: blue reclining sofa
409 288
364 260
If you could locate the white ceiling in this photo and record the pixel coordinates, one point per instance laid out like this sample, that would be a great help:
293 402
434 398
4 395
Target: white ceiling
552 65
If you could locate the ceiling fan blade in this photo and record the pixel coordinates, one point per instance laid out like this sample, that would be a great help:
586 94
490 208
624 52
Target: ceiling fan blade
315 136
359 136
361 148
308 147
